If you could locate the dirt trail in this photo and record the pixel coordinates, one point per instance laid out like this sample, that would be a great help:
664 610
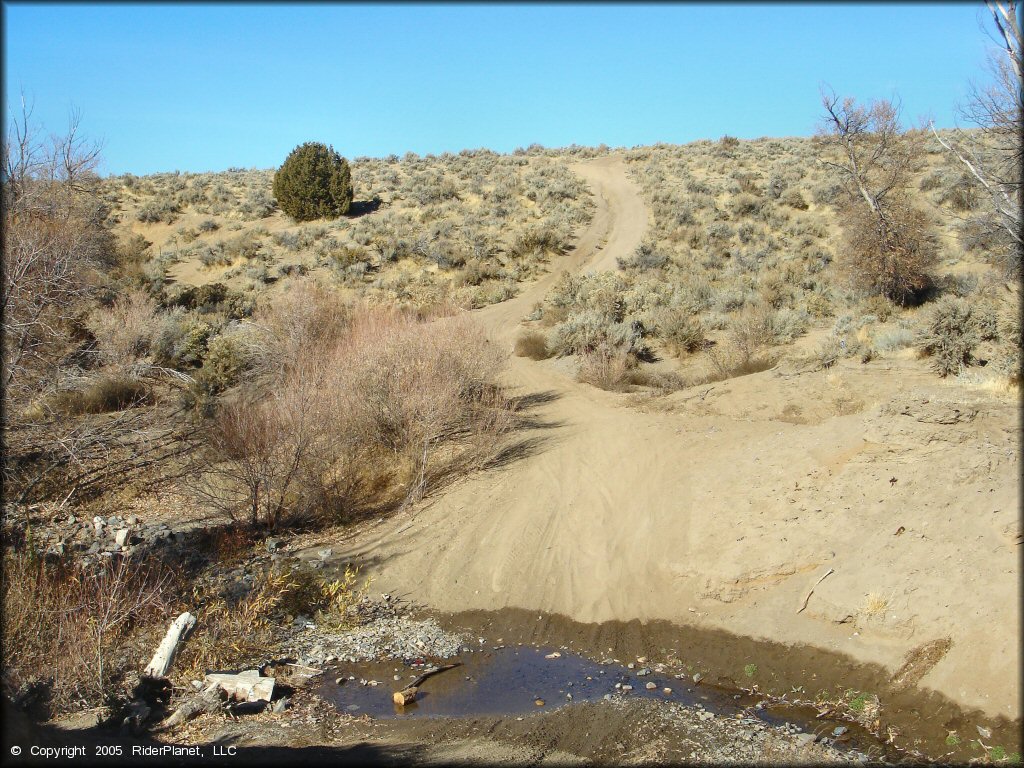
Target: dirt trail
721 508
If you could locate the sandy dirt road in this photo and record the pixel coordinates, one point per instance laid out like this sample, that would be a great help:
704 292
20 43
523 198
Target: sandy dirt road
722 507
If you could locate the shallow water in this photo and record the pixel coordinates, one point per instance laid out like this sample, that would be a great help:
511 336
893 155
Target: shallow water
511 680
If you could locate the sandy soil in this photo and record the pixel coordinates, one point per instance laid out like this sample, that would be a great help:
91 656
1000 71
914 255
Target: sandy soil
720 507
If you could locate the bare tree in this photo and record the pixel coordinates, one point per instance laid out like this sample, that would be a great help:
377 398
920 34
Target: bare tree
890 246
52 233
993 155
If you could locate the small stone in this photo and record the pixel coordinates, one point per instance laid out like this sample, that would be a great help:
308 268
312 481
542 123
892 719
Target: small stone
840 730
121 537
539 702
641 659
627 687
554 655
339 680
667 691
197 684
323 554
643 672
281 705
650 686
631 665
803 739
698 677
608 696
132 520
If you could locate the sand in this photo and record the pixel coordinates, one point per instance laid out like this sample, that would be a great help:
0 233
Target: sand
721 506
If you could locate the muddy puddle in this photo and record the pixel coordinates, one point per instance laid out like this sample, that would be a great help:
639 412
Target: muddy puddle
517 680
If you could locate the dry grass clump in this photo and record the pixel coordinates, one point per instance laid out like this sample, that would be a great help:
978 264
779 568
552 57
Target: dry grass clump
104 395
608 368
78 632
532 344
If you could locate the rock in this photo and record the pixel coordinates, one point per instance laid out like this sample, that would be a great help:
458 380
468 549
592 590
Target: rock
667 691
698 677
555 655
804 739
643 672
985 733
281 705
323 554
340 680
539 702
651 686
839 731
631 665
132 520
273 545
627 687
641 659
121 537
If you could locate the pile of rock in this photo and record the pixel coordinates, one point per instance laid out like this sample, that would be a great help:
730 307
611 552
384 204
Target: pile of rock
385 634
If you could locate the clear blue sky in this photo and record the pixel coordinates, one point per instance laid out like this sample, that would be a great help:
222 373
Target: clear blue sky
206 87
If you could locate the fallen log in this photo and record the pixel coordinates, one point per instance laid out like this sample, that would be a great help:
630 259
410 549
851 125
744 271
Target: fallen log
165 651
405 696
208 700
408 694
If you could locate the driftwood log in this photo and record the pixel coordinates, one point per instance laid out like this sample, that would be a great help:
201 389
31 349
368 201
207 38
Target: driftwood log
165 651
209 700
408 694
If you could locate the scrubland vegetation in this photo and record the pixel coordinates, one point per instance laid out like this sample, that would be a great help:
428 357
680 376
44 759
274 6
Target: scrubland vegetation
757 245
181 331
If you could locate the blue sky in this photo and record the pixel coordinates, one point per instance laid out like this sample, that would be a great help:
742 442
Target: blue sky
205 87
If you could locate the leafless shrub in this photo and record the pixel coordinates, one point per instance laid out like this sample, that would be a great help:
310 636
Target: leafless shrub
125 330
72 628
383 412
607 367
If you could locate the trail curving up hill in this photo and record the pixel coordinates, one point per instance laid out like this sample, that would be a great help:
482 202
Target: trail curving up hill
709 508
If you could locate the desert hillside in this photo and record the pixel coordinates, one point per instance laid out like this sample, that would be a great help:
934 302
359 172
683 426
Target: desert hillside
600 385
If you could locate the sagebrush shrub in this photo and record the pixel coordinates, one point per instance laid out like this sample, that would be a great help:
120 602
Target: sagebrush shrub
314 182
948 335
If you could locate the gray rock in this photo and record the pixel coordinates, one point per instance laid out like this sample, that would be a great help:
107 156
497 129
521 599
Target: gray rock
643 672
803 739
281 705
840 730
323 554
133 520
273 545
651 686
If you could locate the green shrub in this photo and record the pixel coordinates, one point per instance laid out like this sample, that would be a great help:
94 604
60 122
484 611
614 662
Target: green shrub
949 335
314 182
